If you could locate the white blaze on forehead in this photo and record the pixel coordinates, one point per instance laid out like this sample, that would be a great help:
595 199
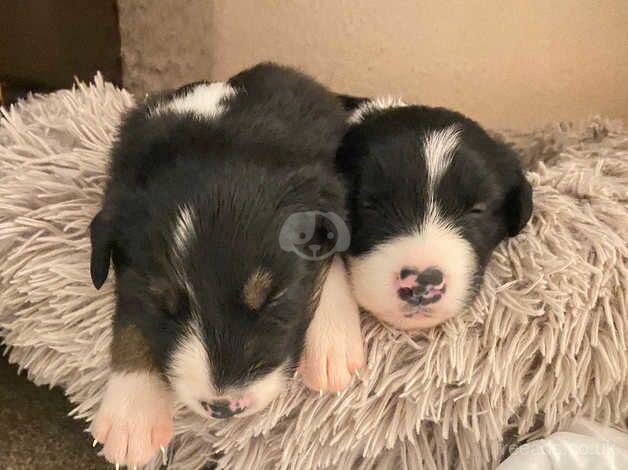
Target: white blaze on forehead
204 101
183 235
362 111
189 369
184 230
439 148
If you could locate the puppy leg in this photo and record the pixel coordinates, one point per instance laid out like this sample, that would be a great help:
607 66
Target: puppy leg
334 347
135 418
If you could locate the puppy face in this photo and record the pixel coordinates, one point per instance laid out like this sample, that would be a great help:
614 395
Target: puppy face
432 195
249 298
223 304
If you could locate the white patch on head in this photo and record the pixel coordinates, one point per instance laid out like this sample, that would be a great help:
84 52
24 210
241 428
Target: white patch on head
439 148
362 111
184 230
189 370
434 244
183 234
204 101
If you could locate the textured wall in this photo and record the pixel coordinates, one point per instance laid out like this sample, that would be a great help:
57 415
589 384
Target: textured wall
165 43
509 64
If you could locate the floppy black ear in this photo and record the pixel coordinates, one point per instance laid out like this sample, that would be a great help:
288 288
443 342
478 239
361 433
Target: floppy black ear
100 234
518 207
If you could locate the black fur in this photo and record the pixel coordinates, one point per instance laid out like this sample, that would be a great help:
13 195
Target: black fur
270 154
484 191
351 102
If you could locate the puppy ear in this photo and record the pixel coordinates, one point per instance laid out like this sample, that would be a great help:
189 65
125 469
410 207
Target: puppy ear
518 206
100 234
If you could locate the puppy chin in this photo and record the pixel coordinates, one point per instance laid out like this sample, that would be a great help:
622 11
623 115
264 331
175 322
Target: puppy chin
375 276
417 321
263 391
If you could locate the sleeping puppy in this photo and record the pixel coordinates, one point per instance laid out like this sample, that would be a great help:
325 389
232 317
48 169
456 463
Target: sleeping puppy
432 194
217 192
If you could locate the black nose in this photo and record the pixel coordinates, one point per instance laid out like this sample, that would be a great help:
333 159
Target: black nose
431 276
426 288
220 409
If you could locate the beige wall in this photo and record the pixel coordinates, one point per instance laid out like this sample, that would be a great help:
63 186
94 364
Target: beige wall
507 63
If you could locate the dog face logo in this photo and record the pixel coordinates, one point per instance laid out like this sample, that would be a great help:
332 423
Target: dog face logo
314 235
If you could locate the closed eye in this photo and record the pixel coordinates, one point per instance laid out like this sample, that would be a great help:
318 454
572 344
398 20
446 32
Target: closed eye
272 300
478 208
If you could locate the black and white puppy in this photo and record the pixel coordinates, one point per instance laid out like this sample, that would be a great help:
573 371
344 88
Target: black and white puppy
217 216
432 194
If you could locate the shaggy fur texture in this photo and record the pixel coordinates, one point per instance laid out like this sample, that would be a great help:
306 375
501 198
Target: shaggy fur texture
545 340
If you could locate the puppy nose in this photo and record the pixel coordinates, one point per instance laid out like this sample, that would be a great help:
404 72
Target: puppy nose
431 276
220 409
421 287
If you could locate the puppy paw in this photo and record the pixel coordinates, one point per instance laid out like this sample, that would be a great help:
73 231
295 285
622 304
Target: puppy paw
334 347
134 421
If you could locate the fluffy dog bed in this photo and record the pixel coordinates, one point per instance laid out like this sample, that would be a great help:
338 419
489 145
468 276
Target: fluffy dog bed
545 340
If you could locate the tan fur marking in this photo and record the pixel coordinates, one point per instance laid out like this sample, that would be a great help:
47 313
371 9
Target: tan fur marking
257 288
130 351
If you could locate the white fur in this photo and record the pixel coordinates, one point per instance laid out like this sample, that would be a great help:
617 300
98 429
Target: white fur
135 417
263 391
434 244
184 231
204 101
334 347
439 148
190 375
366 108
190 370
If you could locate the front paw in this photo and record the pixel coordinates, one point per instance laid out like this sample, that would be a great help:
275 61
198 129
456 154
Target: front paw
135 418
331 360
334 347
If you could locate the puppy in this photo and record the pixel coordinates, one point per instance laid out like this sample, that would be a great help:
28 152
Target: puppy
432 194
216 216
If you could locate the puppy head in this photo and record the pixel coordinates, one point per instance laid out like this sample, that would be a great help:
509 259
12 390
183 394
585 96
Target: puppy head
250 291
432 195
229 305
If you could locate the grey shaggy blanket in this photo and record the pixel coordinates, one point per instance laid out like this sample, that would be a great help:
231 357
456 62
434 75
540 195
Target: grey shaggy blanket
545 341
